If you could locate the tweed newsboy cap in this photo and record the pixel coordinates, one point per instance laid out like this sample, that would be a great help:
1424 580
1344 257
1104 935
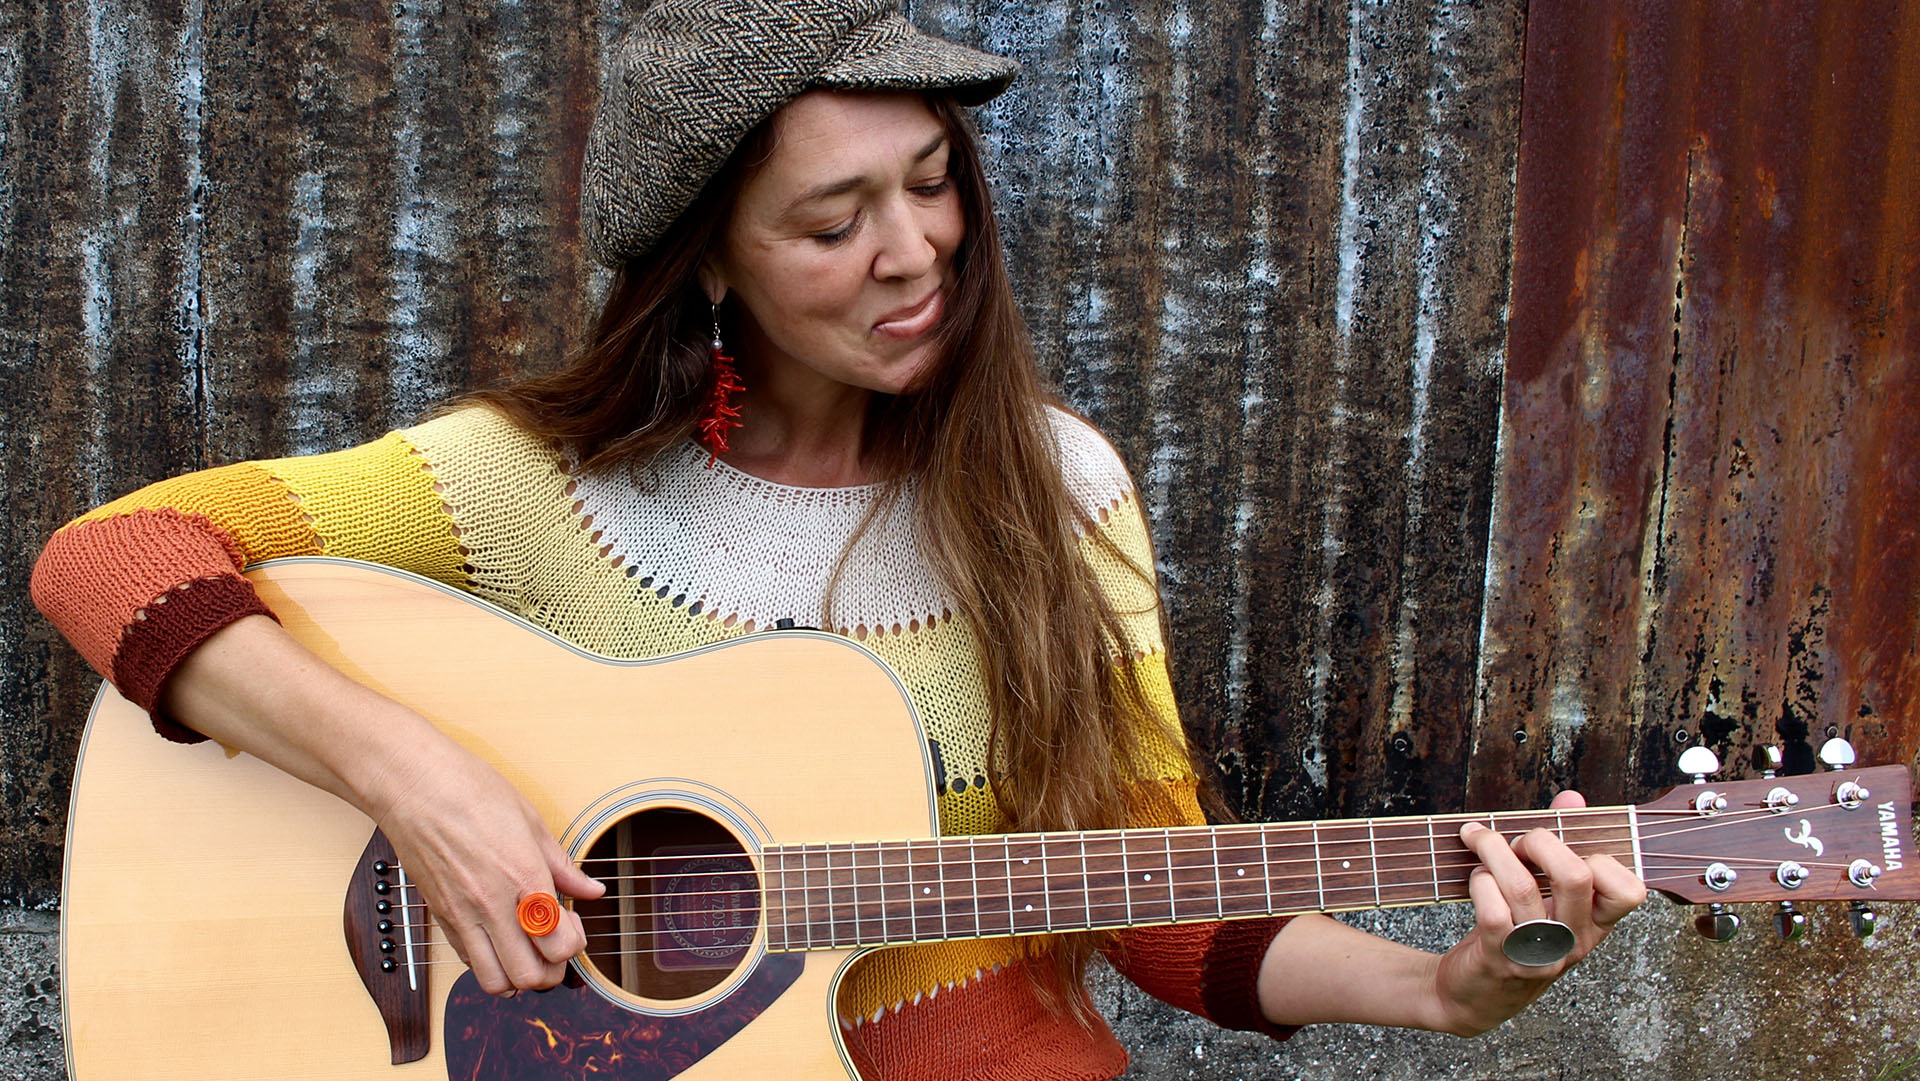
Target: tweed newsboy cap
694 76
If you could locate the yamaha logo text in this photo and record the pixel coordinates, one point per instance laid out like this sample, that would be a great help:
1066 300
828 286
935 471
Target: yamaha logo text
1890 836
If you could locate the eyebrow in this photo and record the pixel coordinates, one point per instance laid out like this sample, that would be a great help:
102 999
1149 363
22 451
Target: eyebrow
832 188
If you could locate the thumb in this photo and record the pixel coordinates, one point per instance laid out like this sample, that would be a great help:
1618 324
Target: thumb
568 878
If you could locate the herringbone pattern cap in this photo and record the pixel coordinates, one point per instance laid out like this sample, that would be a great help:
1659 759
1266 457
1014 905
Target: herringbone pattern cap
694 76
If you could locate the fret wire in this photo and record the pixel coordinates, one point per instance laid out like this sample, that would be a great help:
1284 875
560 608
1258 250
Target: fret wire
833 922
1046 888
1433 858
786 896
1319 867
940 868
766 897
1126 878
806 900
1007 843
1219 886
1266 866
826 876
858 935
1086 884
1173 898
807 893
1373 853
973 872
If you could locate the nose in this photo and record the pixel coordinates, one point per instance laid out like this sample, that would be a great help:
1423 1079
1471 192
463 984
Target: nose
906 243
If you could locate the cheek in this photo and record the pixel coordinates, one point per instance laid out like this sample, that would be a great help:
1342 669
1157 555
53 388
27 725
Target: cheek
950 229
807 299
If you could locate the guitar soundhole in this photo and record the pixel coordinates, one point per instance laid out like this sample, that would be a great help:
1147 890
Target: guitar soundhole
681 908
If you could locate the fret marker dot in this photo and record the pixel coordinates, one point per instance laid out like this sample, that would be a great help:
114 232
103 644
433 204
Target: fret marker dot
1346 863
1146 878
1024 861
1242 872
1029 908
926 889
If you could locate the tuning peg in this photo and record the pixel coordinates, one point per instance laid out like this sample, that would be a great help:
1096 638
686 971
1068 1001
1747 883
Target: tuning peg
1837 753
1767 758
1789 923
1699 761
1717 923
1862 918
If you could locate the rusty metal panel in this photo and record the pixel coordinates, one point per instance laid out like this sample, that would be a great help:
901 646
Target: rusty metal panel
1704 520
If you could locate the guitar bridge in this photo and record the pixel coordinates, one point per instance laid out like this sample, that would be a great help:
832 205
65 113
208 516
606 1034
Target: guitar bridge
386 929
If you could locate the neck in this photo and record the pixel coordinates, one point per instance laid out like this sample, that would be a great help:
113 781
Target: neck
798 428
870 893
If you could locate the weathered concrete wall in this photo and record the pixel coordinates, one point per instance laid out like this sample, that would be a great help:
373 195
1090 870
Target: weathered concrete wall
1265 246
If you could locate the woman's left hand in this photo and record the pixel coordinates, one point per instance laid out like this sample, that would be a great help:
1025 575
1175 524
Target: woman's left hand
1477 986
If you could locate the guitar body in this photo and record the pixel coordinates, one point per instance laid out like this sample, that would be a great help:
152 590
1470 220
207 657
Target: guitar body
201 922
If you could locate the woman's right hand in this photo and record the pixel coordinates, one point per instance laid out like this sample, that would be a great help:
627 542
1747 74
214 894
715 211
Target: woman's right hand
468 838
474 846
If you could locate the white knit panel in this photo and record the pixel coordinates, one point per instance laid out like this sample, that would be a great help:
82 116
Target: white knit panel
1096 477
749 549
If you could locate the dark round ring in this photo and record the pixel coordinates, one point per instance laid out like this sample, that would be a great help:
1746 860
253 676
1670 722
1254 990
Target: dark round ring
1538 943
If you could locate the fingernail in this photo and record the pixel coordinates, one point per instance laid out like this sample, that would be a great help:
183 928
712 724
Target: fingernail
1470 829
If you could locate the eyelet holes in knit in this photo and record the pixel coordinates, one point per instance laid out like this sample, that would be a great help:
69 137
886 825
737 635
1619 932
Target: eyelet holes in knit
452 513
141 612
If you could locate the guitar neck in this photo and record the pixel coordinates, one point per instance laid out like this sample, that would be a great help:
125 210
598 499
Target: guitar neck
832 896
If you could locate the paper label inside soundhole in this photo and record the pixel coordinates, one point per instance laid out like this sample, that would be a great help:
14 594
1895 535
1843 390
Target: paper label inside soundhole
705 914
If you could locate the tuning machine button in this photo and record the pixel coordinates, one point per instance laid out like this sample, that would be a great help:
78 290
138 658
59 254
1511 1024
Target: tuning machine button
1837 753
1862 919
1862 874
1779 799
1789 922
1717 923
1699 762
1768 758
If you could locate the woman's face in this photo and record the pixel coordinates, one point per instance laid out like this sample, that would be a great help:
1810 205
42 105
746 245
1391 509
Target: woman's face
840 249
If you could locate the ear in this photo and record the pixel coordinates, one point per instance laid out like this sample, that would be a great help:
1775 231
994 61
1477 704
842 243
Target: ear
712 282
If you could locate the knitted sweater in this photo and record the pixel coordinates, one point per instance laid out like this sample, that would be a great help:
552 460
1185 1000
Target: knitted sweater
641 566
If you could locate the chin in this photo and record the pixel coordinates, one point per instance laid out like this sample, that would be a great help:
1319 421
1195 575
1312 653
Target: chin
913 372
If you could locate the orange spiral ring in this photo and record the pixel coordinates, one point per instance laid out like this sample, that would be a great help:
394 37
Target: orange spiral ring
539 914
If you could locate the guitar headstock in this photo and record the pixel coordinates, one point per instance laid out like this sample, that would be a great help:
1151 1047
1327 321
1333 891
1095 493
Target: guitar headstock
1846 835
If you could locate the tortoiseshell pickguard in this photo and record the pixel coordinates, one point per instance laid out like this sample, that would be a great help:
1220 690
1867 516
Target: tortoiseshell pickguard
572 1033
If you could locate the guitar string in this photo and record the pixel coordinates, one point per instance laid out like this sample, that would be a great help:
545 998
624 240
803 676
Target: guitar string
1697 860
1317 864
832 940
1617 815
1682 871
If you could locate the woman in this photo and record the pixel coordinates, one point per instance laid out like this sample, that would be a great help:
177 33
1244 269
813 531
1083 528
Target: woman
809 282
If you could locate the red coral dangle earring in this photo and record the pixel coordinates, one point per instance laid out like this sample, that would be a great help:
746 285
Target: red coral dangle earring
721 413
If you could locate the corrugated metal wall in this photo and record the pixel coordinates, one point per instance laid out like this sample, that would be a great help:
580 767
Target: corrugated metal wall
1267 247
1708 489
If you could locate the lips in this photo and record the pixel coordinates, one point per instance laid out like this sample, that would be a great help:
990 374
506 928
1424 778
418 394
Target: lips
913 320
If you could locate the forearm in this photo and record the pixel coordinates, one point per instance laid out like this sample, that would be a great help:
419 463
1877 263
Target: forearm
252 687
1320 970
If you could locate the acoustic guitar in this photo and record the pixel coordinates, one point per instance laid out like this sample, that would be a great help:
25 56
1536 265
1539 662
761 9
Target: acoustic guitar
762 811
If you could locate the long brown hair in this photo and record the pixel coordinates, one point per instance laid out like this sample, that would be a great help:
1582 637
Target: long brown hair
1069 718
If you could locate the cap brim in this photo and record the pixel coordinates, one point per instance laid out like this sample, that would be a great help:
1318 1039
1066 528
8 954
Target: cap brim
890 54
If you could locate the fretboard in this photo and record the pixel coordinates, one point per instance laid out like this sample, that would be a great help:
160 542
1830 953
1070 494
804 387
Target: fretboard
826 896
